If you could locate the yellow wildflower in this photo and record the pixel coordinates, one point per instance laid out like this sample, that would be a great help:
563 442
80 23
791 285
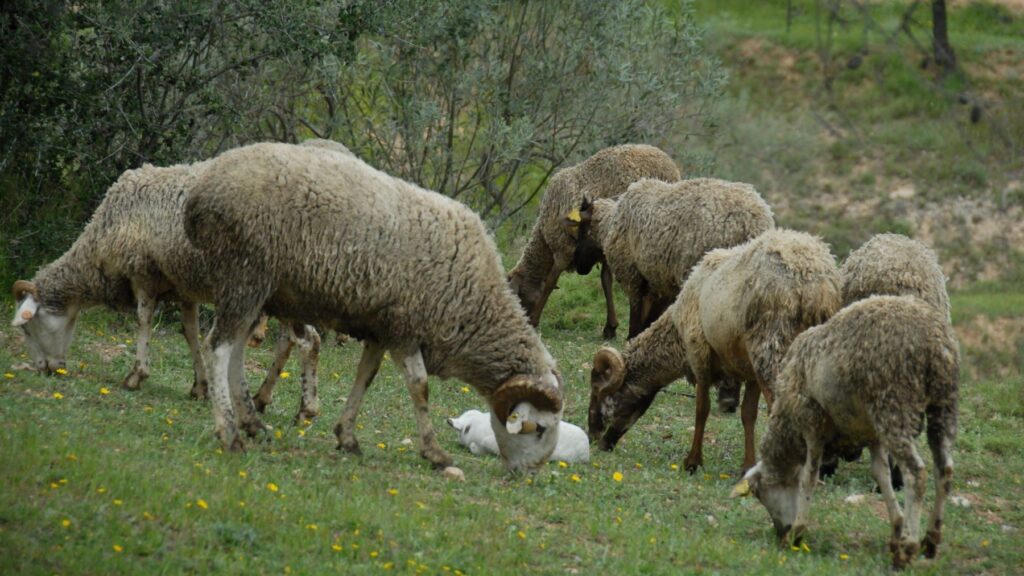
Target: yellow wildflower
805 547
58 396
147 516
61 371
521 534
118 548
336 547
575 477
242 473
392 491
638 465
65 523
985 543
653 540
844 556
104 391
617 476
272 487
724 476
673 466
118 501
563 464
465 389
8 375
313 527
169 421
388 565
63 481
241 503
374 554
101 490
301 432
382 445
202 504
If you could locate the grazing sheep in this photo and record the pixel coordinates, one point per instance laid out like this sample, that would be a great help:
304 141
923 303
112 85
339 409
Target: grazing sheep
655 233
867 377
894 265
313 235
474 428
133 253
549 250
734 319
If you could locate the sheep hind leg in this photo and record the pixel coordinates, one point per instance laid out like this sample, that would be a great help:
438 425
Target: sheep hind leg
242 401
282 349
308 341
695 458
220 345
416 380
940 441
140 371
190 326
748 414
369 364
612 321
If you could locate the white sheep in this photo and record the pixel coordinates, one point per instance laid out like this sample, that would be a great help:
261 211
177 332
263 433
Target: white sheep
313 235
475 433
870 376
656 232
549 250
132 254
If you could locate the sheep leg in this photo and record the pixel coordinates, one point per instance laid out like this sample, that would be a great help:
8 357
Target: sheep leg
220 347
259 333
416 381
282 349
549 286
369 364
807 481
636 315
242 402
695 458
140 371
308 341
611 321
190 325
940 439
748 414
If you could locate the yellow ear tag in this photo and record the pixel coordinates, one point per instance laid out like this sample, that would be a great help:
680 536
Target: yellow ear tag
574 216
513 417
741 489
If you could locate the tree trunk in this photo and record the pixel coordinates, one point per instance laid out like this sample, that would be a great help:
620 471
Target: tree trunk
944 55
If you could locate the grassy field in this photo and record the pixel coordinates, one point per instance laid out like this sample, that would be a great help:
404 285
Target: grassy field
98 479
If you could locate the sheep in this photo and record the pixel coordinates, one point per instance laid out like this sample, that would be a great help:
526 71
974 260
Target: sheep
312 235
891 264
652 235
549 250
867 377
474 428
734 319
132 254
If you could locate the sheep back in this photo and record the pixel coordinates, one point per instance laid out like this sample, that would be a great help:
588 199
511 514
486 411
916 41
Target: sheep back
892 264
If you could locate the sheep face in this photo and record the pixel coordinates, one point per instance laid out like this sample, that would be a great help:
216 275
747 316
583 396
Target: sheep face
47 333
526 411
614 408
777 494
587 252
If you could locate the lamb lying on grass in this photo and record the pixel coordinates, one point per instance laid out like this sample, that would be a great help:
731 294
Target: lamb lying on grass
870 376
475 433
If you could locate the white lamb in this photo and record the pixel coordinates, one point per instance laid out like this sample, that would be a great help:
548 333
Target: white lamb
475 433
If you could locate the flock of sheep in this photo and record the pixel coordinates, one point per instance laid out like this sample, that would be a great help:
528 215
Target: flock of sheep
846 358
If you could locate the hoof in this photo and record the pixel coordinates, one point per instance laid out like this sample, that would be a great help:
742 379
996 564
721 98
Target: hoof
692 465
200 391
255 428
304 414
796 535
260 405
230 440
133 381
438 459
931 544
903 553
346 442
608 333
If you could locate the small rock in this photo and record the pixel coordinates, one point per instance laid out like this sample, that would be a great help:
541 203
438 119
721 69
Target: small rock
1007 528
406 441
712 520
854 499
905 192
973 483
960 501
454 473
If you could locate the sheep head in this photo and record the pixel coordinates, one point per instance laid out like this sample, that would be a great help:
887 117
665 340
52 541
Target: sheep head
47 333
606 377
525 412
778 495
587 251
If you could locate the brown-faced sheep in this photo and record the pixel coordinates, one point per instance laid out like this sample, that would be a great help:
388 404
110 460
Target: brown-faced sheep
734 319
132 254
313 235
549 250
867 377
655 233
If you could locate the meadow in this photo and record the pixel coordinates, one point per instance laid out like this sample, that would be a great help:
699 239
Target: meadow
99 479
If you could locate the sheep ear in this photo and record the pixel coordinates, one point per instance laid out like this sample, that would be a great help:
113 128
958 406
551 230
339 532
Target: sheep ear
27 296
608 373
541 395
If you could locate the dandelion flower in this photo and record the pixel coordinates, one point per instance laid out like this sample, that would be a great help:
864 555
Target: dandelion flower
313 527
724 476
118 548
465 389
65 523
392 491
673 466
61 371
336 547
58 396
985 543
374 554
844 556
202 504
104 391
147 516
63 481
575 477
241 503
563 464
285 375
277 434
617 476
653 540
301 432
638 465
521 534
242 473
382 445
101 490
272 487
169 421
618 520
118 502
805 547
388 565
8 375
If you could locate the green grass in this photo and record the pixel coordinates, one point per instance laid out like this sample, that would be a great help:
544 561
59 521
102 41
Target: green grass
130 469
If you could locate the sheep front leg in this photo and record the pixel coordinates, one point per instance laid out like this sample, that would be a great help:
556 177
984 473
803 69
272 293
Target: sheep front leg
416 380
190 326
282 349
308 341
941 423
612 320
140 371
550 283
369 364
748 414
880 472
224 423
695 458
